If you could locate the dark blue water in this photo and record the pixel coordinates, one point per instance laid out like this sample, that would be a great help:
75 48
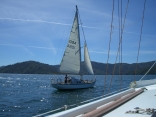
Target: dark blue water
29 95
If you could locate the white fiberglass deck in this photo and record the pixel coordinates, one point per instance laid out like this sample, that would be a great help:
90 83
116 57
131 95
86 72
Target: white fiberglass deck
145 100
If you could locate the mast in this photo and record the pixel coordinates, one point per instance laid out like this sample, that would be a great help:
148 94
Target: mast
78 35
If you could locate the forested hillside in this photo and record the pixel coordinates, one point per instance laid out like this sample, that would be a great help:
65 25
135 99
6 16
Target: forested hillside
33 67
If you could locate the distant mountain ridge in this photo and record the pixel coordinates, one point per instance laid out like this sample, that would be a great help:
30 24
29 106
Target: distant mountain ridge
33 67
28 67
127 69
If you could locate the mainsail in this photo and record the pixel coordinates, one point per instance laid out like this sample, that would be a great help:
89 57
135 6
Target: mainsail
72 56
87 60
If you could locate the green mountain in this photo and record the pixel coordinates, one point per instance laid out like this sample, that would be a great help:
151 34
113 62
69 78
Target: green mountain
124 68
33 67
28 67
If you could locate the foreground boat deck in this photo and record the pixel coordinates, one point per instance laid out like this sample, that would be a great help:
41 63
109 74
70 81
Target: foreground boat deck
118 104
145 100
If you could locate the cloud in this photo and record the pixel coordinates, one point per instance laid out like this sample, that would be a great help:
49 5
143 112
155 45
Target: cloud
28 51
11 45
39 47
58 23
95 28
38 21
105 52
148 52
99 52
54 49
139 34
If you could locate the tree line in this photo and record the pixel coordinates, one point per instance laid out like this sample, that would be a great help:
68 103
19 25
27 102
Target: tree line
33 67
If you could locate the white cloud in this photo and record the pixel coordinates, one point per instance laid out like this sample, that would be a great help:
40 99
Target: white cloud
58 23
38 47
37 21
28 51
148 52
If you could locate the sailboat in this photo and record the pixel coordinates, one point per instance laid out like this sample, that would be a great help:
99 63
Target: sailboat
71 61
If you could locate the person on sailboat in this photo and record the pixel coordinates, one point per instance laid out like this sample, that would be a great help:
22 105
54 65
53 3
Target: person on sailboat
66 78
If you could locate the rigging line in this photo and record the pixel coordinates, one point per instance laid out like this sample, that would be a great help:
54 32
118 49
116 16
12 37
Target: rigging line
148 70
83 32
120 25
117 52
79 19
140 40
121 28
109 48
119 42
125 18
82 27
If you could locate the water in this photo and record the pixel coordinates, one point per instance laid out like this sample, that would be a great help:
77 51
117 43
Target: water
28 95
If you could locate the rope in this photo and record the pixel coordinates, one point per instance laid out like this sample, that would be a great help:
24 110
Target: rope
120 60
109 48
138 110
83 32
148 70
119 44
140 39
81 26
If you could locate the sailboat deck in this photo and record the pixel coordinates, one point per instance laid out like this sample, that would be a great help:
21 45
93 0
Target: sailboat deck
145 100
119 104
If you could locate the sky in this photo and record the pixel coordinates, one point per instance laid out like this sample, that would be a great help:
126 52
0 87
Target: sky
38 30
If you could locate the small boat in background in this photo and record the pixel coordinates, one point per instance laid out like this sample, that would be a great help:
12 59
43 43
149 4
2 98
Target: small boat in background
71 62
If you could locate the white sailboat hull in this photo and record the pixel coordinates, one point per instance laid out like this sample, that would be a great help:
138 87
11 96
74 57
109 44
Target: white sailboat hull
73 86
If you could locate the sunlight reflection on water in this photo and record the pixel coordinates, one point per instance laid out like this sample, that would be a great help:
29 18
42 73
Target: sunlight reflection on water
32 94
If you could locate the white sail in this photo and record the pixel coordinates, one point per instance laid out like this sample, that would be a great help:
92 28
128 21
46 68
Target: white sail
72 56
87 60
